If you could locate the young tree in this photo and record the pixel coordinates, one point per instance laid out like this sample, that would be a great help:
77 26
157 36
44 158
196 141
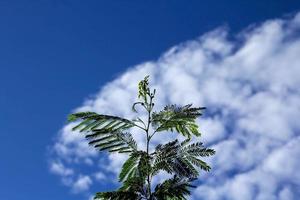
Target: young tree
180 159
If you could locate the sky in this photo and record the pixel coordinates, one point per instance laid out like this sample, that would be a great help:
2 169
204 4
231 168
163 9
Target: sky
240 59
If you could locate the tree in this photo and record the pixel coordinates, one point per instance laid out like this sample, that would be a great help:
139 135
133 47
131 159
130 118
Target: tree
180 159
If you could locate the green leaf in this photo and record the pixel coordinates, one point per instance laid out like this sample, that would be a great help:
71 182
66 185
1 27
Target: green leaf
179 119
105 132
129 165
116 195
175 188
180 158
137 165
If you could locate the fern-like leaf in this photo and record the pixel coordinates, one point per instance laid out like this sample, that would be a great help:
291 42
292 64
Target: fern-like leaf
180 158
179 119
116 195
137 165
106 132
175 188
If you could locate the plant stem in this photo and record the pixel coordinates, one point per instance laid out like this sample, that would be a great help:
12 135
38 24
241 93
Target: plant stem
148 142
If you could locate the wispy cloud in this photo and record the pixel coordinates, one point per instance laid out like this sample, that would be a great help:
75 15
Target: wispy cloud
59 169
251 87
82 183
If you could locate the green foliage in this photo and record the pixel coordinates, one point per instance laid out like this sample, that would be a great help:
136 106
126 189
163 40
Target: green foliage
175 189
117 195
136 166
144 88
105 132
181 119
180 159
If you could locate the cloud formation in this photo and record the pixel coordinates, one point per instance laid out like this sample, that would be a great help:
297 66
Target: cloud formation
251 87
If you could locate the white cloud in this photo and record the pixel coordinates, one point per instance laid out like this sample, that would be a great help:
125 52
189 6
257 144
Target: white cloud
100 176
251 87
59 169
286 194
283 162
82 183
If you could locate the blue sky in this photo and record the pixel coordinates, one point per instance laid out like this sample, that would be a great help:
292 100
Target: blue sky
56 54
